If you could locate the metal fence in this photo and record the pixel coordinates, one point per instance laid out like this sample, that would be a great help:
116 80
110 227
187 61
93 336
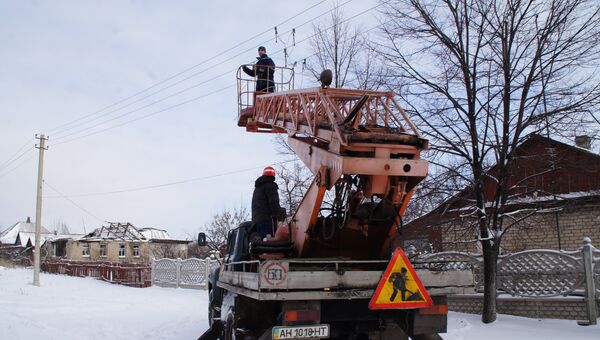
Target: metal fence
126 274
533 273
189 273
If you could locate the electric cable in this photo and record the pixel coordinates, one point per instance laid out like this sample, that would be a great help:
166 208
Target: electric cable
180 92
16 159
11 158
146 106
53 130
195 74
5 173
72 202
183 181
147 115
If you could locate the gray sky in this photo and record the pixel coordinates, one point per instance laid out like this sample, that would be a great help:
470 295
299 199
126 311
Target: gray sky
63 60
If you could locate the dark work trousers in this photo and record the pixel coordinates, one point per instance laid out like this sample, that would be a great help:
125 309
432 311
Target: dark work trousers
264 228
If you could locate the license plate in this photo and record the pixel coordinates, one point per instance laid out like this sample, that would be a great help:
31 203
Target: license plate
301 332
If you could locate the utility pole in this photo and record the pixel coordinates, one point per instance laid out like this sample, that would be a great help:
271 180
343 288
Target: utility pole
38 210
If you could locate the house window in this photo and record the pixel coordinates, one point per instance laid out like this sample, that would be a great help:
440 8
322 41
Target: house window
121 250
85 250
103 250
136 251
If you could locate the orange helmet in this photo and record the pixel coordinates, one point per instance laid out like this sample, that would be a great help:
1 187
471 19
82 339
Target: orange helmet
269 171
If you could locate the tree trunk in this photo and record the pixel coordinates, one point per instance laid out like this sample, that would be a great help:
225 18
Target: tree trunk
490 271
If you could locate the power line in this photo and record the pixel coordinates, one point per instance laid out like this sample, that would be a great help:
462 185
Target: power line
187 69
148 187
72 202
182 91
147 105
189 77
10 159
147 115
366 31
18 165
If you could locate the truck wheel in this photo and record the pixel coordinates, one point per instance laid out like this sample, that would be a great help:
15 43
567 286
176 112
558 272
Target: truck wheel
211 312
229 329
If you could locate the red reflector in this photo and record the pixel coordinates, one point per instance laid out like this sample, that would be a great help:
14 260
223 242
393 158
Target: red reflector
291 315
302 315
436 309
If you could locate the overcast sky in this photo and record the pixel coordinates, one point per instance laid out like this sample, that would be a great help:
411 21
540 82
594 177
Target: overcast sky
64 60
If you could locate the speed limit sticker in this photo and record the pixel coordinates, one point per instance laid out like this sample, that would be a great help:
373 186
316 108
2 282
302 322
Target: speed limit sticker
274 273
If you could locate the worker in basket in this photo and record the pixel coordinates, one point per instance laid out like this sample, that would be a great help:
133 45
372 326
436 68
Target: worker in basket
266 210
263 70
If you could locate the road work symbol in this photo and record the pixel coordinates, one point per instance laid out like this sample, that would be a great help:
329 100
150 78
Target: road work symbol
400 286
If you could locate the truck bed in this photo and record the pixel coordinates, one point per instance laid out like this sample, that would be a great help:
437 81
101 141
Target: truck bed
327 279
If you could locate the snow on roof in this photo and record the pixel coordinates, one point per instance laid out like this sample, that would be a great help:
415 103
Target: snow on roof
155 234
556 197
54 237
544 198
116 231
22 231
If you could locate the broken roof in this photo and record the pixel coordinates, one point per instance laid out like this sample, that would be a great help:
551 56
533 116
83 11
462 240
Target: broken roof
116 231
155 234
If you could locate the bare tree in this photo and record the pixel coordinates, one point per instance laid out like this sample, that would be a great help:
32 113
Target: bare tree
166 251
336 46
293 181
218 228
434 190
368 72
60 227
282 147
480 75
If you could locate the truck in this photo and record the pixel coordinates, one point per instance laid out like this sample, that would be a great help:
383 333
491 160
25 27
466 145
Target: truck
325 272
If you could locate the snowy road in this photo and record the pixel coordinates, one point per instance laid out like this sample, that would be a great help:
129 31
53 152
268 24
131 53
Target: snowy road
75 308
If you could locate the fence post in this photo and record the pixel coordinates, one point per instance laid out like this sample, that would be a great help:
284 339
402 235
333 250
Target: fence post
152 271
178 272
590 289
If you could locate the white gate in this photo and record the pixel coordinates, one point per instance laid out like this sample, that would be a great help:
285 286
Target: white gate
189 273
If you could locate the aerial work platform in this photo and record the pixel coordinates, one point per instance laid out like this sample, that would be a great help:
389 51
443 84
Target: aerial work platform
360 144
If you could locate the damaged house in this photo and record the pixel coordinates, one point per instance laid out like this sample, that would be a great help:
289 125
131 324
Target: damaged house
120 242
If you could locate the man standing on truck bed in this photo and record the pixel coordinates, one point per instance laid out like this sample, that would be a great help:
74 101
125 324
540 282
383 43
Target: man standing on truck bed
265 203
263 71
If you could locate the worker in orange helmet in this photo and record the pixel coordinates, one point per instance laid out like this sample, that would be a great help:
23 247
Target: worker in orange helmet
266 210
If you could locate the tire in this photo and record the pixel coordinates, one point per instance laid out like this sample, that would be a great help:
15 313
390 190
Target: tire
211 312
229 329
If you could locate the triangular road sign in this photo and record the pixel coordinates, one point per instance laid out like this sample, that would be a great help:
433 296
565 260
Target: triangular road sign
400 288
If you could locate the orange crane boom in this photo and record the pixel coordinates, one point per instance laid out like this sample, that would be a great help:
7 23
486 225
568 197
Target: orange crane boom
360 145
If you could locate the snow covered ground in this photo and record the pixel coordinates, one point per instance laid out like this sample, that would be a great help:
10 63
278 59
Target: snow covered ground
507 327
67 307
75 308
